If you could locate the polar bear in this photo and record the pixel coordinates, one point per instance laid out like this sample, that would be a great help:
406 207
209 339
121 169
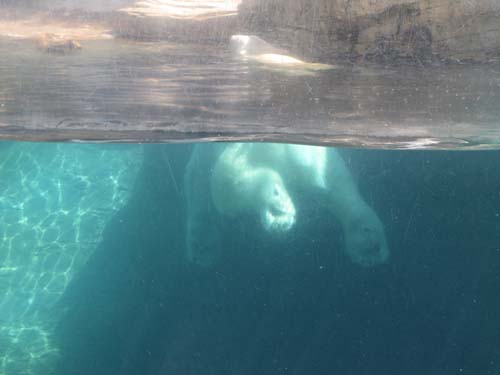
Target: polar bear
253 48
228 180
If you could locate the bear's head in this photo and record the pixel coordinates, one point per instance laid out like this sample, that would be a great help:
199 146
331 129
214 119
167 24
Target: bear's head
365 239
239 43
277 208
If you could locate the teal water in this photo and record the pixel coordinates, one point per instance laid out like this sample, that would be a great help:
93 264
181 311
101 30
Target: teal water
94 277
55 204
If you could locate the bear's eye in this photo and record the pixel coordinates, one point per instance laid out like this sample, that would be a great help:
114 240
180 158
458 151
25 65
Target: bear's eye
276 193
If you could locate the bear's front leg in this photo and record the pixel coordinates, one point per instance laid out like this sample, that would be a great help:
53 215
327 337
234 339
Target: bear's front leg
364 233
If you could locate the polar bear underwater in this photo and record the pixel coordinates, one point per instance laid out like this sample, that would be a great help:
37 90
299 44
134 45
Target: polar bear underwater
255 179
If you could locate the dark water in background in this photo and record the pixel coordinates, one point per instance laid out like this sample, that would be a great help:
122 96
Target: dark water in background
290 304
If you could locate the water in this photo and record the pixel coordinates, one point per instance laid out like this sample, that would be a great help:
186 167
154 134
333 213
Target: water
116 89
94 277
386 264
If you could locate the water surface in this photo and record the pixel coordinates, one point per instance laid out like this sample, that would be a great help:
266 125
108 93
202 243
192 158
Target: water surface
128 90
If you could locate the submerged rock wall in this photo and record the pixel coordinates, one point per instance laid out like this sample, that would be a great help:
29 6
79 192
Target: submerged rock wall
382 30
326 30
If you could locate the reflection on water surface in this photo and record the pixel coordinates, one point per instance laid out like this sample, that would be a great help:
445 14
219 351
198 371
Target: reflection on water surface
129 89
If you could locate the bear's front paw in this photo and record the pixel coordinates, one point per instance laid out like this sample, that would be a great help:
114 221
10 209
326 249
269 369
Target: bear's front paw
366 243
278 213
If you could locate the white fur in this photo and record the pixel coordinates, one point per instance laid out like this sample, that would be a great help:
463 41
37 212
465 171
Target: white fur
255 179
253 48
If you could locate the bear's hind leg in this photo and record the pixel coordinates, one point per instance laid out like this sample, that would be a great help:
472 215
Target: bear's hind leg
203 238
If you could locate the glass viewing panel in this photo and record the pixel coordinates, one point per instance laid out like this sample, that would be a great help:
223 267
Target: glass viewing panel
259 245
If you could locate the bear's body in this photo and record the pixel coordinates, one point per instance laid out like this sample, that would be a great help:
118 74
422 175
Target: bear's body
256 179
253 48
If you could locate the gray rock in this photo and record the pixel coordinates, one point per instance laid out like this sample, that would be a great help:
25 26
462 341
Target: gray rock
385 30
